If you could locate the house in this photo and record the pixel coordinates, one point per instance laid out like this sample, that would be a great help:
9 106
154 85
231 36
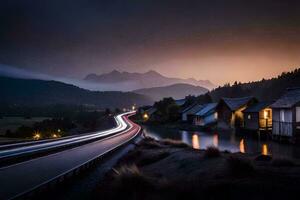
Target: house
187 114
206 115
230 113
286 115
147 114
258 117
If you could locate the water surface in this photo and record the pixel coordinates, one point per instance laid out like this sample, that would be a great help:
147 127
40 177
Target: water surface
226 141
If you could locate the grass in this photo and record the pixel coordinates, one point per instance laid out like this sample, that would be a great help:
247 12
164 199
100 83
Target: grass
152 158
174 143
240 166
150 143
130 183
12 123
212 152
283 162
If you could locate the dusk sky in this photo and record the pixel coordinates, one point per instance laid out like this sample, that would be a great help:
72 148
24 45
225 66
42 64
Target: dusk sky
219 40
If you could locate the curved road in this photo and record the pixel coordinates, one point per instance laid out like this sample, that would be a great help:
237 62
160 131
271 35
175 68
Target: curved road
24 177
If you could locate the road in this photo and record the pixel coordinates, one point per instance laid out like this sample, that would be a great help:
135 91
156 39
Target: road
23 177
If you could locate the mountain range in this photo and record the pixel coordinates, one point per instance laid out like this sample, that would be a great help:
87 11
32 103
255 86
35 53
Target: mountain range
177 91
31 92
134 81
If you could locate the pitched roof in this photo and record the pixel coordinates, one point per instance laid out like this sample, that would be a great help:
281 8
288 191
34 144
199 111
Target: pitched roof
184 110
289 99
206 108
258 106
236 103
151 110
194 109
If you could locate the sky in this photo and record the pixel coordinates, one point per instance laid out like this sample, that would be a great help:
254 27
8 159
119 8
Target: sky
218 40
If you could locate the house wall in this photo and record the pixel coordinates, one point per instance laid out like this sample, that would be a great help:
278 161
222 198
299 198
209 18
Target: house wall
210 118
252 122
224 114
282 122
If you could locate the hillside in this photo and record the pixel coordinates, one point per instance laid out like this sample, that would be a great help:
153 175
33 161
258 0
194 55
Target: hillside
270 89
143 80
176 91
39 92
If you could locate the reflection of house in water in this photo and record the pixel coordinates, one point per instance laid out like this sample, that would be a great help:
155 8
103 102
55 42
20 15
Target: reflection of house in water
207 115
286 115
258 117
230 113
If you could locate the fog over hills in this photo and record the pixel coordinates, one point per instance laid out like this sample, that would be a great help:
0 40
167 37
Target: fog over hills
134 81
177 91
33 92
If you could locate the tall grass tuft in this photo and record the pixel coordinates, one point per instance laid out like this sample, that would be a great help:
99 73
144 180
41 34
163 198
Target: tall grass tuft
212 152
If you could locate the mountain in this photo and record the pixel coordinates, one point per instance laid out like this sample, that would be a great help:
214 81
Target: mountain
31 92
177 91
149 79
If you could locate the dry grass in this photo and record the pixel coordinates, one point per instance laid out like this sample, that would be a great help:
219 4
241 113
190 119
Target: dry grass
212 152
174 143
240 166
129 183
282 162
152 158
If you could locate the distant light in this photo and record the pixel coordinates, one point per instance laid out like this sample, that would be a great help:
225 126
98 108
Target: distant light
133 107
58 130
36 135
54 135
146 116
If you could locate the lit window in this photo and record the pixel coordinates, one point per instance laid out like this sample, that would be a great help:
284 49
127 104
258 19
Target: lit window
297 114
249 116
282 115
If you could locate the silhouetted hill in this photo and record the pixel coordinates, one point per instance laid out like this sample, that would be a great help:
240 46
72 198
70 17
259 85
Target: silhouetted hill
143 80
270 89
39 92
176 91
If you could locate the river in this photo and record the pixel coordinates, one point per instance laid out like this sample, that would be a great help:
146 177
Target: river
226 141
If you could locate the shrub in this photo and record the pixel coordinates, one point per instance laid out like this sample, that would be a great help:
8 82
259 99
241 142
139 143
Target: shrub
282 162
212 152
263 158
130 183
174 143
239 166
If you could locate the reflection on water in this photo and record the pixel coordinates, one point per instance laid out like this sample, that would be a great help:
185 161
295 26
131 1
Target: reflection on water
195 141
264 150
242 146
226 141
216 140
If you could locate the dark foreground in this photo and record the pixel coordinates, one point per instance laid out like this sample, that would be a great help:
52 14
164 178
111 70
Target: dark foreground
169 169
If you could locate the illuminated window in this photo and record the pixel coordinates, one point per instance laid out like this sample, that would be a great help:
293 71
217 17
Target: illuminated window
249 116
297 114
282 115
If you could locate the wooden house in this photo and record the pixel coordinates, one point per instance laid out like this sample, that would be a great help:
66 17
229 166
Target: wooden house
230 113
258 117
286 115
188 113
207 115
